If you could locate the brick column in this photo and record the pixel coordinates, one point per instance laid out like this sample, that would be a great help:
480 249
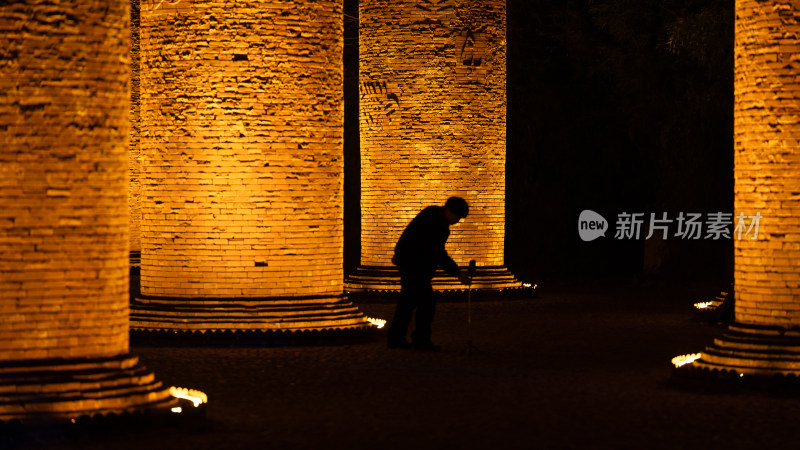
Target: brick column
242 167
433 125
63 214
765 338
134 194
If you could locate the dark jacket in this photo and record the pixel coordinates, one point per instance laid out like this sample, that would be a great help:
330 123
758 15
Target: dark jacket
420 248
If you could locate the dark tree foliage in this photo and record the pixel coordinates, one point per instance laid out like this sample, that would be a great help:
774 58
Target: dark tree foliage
617 106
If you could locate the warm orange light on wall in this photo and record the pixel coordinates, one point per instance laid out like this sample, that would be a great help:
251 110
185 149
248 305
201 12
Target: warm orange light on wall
764 340
242 166
63 214
432 86
134 157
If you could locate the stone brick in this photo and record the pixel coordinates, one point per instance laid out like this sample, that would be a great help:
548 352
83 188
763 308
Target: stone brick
767 176
241 143
134 159
764 340
241 175
432 100
63 203
63 164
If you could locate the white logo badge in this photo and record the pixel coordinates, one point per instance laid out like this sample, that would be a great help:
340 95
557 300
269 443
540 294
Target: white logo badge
591 225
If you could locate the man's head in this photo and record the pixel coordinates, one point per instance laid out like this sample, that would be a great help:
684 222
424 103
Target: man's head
455 209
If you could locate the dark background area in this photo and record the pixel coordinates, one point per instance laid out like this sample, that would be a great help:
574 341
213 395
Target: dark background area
614 106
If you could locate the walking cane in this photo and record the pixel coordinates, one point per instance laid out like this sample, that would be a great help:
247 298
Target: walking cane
470 273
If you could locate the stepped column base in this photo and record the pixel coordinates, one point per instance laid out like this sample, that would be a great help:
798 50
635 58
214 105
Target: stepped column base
52 390
387 279
749 350
286 314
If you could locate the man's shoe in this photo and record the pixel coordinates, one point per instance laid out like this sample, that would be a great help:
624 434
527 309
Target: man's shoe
404 344
426 346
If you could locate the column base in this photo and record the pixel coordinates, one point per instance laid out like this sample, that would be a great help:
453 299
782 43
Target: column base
750 350
53 390
387 279
288 314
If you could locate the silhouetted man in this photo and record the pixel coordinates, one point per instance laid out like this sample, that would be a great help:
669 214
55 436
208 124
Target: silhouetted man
419 251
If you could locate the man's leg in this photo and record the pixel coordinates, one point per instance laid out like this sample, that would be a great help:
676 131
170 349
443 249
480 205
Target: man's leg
402 314
426 309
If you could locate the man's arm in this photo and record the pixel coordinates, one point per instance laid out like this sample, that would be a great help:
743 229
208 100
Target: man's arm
451 268
447 263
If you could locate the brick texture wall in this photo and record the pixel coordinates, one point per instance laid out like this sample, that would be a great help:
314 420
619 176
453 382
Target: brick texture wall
241 148
767 160
432 121
63 185
135 219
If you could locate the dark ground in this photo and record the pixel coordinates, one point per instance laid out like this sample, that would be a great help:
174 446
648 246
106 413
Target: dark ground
580 367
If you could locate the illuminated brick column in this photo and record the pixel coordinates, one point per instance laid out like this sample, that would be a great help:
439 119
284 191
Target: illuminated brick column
432 88
63 214
765 339
134 194
242 167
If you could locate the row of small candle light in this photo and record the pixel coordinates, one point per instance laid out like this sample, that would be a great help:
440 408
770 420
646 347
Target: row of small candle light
196 397
379 323
682 360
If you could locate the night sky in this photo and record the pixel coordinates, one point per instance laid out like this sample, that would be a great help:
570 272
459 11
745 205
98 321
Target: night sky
614 106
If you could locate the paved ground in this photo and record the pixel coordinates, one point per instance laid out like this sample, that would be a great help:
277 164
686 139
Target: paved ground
579 367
